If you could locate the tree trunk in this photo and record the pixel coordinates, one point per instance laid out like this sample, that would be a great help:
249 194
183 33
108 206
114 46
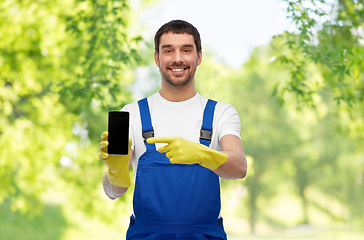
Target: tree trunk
253 213
304 202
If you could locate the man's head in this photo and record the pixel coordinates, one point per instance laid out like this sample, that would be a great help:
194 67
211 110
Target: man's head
178 27
177 54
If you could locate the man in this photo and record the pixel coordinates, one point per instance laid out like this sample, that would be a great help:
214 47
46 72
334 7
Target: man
180 144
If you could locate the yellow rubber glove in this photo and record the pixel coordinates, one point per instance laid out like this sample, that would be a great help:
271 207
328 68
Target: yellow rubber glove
180 150
118 165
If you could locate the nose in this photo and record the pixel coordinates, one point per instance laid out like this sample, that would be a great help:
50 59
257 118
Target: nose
178 57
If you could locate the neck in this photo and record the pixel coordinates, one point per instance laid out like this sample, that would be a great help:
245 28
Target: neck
177 94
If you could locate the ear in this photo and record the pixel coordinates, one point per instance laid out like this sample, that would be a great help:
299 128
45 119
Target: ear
199 58
156 58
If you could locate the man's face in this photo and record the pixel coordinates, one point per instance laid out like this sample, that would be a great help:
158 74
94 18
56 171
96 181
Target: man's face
177 59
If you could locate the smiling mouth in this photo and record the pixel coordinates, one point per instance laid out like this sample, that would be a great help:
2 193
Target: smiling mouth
177 69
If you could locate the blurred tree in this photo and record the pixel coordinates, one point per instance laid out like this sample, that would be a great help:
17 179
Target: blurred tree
63 65
330 35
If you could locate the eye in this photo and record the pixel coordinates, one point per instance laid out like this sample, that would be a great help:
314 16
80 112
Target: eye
187 50
167 51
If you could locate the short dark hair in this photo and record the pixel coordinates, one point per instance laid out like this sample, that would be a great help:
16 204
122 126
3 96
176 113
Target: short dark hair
178 27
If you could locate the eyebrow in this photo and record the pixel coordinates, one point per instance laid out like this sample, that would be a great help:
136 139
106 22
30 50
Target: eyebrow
170 45
188 45
166 46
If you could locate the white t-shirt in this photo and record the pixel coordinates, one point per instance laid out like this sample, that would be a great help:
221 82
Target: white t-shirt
182 119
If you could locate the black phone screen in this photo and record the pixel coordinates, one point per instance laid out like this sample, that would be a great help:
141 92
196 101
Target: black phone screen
118 128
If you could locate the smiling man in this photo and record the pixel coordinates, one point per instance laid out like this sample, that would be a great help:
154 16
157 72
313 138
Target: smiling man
181 143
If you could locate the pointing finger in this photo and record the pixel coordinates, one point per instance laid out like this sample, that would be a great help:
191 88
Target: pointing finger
161 140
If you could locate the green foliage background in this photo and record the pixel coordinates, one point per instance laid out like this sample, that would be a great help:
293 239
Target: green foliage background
64 64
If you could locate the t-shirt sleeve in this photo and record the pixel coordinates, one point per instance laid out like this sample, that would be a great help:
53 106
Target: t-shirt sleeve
228 121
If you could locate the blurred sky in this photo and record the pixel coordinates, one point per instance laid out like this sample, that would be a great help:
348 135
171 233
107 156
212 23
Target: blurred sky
232 28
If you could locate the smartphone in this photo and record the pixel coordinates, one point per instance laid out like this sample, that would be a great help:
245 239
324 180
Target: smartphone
118 128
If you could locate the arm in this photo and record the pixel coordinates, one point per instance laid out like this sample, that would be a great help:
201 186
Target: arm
235 166
112 191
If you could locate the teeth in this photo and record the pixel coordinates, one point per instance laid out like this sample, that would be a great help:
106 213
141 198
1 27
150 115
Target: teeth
177 69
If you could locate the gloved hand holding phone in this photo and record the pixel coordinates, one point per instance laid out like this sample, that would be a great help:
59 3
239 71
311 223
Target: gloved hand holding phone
118 165
180 150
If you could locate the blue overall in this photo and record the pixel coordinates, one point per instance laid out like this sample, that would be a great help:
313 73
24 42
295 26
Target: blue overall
175 201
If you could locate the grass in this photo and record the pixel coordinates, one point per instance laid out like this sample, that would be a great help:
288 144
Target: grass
50 224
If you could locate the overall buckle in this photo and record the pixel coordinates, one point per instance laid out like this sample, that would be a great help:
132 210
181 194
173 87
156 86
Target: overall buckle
205 134
147 135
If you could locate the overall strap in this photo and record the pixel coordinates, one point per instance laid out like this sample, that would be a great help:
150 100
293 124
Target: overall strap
208 117
147 127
